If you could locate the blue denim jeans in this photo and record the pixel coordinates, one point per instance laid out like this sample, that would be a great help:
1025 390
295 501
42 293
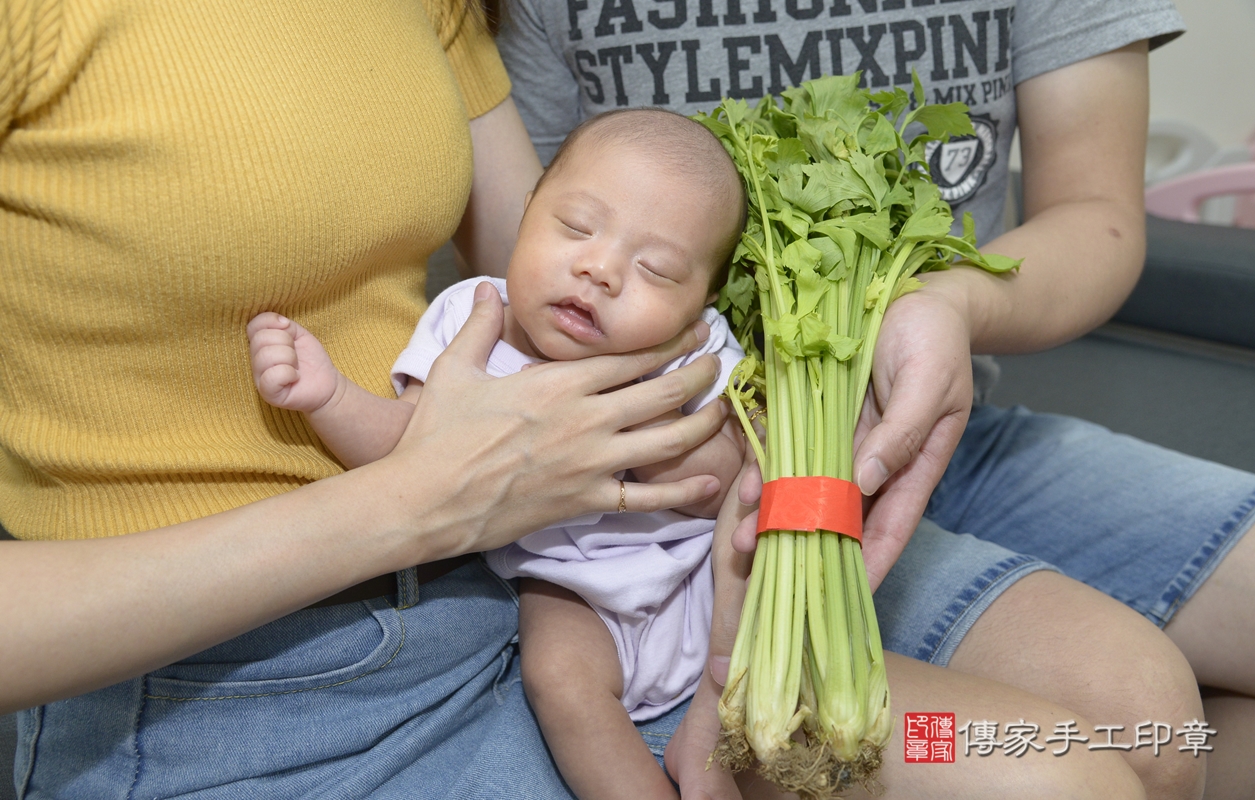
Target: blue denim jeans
417 698
1027 492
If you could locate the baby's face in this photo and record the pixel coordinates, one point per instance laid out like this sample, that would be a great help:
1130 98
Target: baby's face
614 254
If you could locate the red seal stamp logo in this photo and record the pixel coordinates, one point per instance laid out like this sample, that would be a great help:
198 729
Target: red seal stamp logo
929 737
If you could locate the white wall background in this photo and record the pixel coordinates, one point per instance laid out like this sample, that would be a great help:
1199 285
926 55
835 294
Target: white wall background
1207 76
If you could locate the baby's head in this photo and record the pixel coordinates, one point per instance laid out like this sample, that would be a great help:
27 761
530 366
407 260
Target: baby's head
626 238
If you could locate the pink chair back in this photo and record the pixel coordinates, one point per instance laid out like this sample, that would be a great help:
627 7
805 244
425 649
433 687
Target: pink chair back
1180 198
1244 207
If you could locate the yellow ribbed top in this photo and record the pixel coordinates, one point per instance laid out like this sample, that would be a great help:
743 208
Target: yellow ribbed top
167 171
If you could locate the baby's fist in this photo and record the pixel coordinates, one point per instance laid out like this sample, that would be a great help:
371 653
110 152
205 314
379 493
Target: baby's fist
290 366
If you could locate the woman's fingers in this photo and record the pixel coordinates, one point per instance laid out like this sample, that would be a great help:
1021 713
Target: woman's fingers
699 731
641 402
688 753
600 373
655 496
479 335
662 442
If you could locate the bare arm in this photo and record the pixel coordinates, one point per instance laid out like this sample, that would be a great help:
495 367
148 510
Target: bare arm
506 169
1083 139
720 455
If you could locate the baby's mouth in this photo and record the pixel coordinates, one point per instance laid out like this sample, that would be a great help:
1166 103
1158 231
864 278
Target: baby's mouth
577 320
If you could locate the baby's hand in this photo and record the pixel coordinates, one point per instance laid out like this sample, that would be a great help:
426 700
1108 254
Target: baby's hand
290 366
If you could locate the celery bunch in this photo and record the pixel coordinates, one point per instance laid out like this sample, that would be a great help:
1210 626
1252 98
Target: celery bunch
842 215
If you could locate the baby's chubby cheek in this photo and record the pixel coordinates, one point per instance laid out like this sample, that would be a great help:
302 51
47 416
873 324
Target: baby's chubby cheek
646 336
654 325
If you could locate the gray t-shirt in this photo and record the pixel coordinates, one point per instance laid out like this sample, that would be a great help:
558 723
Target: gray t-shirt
572 59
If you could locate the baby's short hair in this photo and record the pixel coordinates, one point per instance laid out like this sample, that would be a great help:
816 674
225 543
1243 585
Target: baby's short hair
682 145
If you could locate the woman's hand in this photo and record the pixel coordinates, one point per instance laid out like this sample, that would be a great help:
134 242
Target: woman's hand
498 458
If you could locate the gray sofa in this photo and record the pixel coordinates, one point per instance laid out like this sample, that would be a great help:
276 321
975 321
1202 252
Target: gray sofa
8 746
1176 366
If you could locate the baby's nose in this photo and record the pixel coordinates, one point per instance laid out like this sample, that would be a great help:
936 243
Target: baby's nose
605 271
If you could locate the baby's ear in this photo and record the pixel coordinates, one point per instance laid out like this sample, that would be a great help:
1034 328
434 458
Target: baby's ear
710 301
527 201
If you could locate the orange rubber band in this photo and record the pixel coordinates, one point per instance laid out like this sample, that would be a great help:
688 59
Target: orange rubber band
815 503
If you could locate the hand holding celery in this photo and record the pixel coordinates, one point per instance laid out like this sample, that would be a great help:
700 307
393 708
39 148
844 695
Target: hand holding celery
842 216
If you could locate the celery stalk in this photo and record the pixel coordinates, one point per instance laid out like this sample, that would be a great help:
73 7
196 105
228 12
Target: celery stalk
842 216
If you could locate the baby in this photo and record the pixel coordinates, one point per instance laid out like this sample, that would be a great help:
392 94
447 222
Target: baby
623 244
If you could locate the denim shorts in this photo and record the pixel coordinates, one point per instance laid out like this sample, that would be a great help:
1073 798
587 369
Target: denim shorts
416 696
1027 492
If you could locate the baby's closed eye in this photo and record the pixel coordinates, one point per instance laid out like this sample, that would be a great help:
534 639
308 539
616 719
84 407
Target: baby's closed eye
576 226
662 272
